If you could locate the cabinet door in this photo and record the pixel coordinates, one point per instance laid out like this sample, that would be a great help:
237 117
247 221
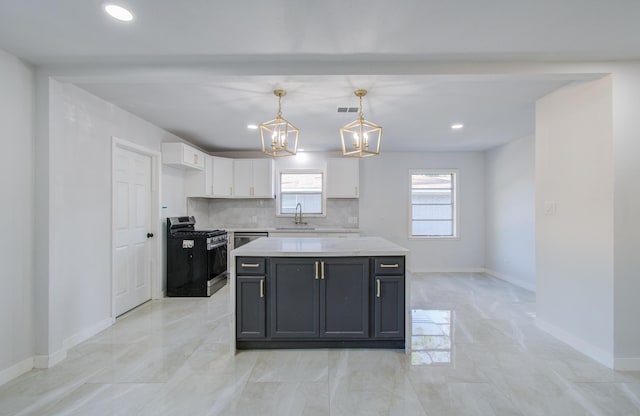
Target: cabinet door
208 175
293 297
222 176
389 307
343 178
242 177
192 156
182 156
262 176
344 297
250 307
199 182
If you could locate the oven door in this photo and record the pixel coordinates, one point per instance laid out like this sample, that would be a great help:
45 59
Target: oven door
216 266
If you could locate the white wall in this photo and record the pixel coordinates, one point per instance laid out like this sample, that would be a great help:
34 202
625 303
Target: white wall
384 207
626 104
17 112
510 251
574 171
80 139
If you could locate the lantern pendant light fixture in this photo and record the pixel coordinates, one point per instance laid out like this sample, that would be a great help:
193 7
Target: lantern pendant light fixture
361 138
279 137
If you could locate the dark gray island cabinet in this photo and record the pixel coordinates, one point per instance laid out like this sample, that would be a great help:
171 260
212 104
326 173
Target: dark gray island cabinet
319 298
320 302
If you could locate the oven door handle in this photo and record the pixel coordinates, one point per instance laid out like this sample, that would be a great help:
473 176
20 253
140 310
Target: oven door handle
214 246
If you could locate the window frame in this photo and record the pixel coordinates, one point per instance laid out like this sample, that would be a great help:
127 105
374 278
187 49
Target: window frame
301 171
454 198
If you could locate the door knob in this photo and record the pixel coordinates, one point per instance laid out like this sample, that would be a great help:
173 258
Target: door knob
149 235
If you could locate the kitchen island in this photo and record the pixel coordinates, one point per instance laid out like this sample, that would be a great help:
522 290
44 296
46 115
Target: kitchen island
319 293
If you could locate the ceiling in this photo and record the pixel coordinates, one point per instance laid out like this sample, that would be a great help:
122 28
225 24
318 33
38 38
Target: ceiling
204 70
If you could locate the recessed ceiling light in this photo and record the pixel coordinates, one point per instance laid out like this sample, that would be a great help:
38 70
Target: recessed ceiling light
457 126
252 126
300 150
118 12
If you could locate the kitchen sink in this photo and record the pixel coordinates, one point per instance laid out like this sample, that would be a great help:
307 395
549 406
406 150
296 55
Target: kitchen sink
302 227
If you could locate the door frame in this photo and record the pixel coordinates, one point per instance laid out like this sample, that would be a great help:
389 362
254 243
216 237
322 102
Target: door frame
155 251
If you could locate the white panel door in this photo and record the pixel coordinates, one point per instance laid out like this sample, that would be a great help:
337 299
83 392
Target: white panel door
132 215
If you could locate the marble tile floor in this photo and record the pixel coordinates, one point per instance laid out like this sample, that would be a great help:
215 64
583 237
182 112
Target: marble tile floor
477 352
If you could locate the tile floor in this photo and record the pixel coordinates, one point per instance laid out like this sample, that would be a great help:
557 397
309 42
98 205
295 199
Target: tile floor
477 353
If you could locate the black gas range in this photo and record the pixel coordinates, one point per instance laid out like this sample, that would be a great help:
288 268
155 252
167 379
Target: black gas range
196 259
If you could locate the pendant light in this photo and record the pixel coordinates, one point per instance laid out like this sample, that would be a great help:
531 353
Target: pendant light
361 138
279 137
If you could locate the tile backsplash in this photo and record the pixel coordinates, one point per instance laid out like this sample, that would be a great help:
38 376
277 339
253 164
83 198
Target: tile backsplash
261 213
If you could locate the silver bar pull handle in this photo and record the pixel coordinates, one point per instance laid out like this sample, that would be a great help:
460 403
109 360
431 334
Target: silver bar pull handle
316 270
322 270
388 266
261 288
377 288
254 265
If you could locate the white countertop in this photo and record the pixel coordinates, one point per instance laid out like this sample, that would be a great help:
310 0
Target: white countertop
326 247
293 229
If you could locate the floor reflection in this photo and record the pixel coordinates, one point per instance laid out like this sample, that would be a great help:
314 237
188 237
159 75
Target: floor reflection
432 337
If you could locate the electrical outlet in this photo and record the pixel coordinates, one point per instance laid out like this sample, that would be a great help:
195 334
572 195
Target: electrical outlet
254 219
549 208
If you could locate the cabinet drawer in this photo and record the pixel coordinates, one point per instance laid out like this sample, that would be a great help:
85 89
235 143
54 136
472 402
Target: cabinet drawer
250 265
389 265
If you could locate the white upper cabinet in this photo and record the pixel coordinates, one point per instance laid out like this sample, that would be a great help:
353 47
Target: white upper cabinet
182 155
253 178
198 183
216 180
263 178
343 178
222 177
242 177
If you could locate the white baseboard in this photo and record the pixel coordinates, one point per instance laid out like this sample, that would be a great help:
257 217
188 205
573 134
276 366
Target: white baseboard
48 361
579 344
87 333
627 364
510 279
16 370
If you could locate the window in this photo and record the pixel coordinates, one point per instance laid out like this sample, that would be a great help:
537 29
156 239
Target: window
433 204
304 188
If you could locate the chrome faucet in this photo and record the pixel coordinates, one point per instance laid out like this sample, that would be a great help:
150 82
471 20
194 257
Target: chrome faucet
297 217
